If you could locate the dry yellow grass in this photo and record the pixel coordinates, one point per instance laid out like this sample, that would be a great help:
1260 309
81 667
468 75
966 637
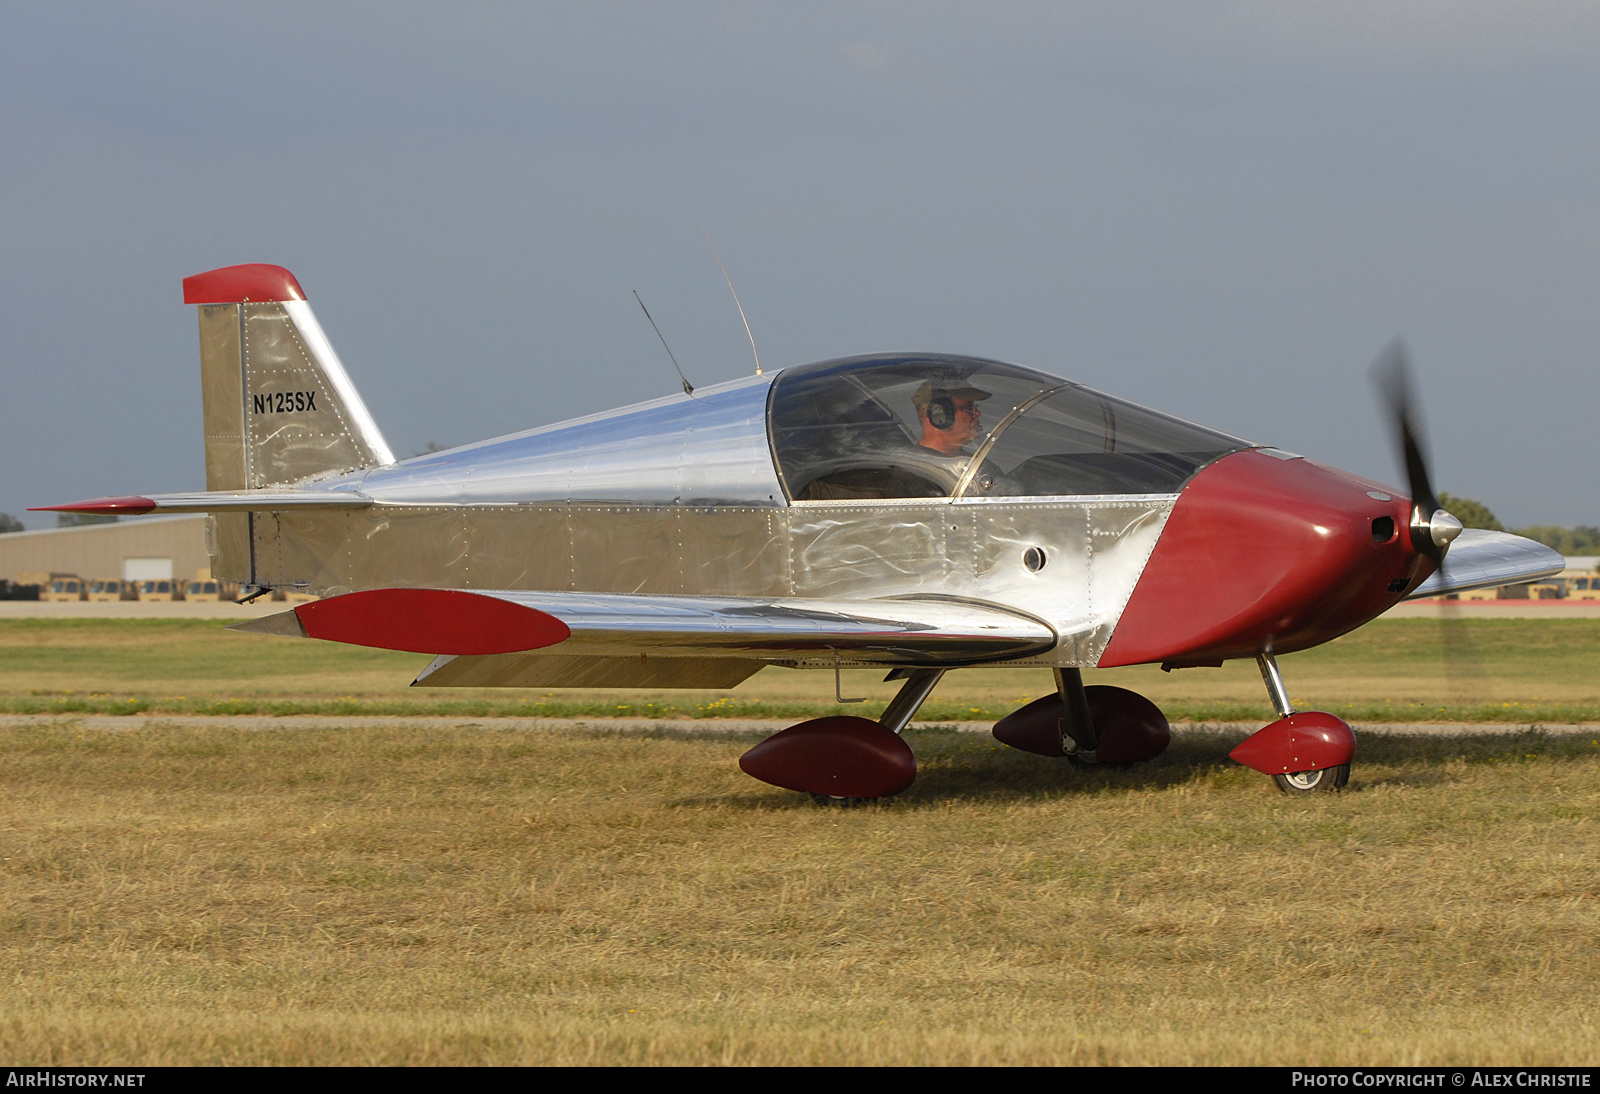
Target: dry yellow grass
463 895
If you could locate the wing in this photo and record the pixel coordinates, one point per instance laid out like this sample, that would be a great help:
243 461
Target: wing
1480 559
557 639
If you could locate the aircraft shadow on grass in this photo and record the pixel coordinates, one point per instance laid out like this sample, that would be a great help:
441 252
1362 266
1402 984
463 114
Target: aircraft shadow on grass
975 768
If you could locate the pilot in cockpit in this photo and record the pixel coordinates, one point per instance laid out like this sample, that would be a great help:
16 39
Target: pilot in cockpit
949 415
877 462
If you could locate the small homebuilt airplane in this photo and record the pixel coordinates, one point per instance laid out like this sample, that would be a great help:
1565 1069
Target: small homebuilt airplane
849 513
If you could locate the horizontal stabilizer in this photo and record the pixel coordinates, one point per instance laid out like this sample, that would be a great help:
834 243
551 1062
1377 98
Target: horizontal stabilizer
221 501
456 622
1480 559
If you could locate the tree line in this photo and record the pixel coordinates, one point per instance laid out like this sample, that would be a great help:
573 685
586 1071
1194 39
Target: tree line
1582 540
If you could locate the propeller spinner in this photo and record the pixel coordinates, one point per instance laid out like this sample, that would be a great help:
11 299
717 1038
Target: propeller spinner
1433 528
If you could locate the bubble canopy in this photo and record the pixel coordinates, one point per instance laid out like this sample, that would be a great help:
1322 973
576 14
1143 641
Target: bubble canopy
941 426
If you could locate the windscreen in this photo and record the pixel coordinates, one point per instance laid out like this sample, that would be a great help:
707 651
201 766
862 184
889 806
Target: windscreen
1077 441
931 426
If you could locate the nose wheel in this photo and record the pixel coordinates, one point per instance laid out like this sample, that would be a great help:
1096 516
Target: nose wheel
1305 752
1312 782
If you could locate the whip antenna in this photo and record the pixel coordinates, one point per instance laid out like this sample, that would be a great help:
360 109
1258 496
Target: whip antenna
688 389
736 303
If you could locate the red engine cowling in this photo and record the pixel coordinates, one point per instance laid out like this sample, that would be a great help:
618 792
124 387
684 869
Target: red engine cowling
842 757
1262 553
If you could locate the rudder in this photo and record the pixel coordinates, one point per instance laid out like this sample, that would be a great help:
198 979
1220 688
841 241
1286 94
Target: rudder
279 406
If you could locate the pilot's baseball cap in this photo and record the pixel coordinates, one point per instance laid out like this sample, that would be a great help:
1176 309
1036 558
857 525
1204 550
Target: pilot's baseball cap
949 389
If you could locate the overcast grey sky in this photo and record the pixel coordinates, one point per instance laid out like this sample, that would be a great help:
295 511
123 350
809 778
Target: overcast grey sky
1223 210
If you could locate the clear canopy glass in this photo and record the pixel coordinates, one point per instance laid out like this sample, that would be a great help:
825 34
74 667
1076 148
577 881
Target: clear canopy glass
930 426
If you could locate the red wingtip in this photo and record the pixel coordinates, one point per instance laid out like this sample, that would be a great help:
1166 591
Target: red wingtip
115 506
242 284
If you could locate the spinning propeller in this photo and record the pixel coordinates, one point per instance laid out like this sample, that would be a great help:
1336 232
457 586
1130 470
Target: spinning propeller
1433 529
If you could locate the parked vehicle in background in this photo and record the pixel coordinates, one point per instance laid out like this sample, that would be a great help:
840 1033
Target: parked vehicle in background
206 590
29 585
101 592
65 587
161 590
1584 588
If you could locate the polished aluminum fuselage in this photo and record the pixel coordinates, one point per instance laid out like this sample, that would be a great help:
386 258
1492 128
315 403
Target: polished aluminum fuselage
844 512
681 496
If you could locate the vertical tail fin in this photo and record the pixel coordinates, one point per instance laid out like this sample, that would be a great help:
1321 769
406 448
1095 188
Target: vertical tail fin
279 407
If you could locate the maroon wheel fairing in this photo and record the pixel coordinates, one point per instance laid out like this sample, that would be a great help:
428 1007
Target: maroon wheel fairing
1129 727
1034 728
1308 741
842 757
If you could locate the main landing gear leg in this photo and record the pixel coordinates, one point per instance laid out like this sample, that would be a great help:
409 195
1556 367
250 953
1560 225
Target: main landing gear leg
909 699
1078 737
1304 752
844 760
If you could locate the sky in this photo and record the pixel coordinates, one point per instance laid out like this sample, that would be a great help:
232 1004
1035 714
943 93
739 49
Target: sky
1221 210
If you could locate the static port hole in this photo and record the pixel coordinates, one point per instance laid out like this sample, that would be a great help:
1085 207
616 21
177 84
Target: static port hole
1383 529
1034 559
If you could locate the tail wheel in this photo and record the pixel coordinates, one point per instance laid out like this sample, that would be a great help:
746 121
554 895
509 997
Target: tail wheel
1312 782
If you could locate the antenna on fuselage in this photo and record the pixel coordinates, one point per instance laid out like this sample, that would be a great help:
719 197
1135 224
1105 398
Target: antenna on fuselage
688 388
736 303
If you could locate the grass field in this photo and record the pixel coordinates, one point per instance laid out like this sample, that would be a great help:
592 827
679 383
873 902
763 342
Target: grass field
475 896
1510 670
472 894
